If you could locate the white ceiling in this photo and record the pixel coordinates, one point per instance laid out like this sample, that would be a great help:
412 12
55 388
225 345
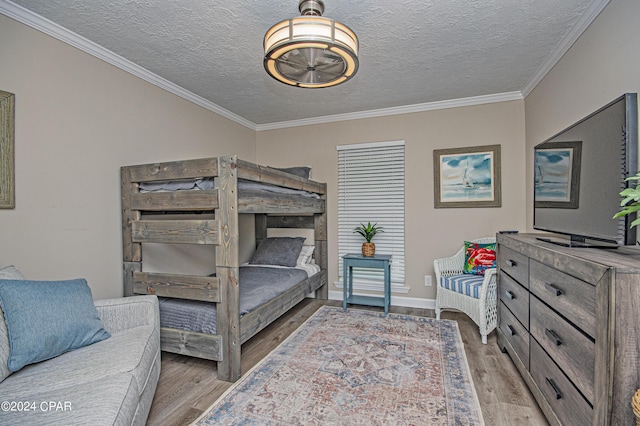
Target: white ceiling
412 53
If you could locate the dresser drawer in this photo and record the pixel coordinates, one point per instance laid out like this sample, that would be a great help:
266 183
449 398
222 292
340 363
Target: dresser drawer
567 403
515 333
570 349
515 297
571 297
514 264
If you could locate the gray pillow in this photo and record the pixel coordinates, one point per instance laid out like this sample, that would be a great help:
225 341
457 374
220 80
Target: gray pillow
281 251
302 171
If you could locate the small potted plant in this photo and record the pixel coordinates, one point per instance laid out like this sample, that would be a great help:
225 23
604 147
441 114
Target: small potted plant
631 201
368 231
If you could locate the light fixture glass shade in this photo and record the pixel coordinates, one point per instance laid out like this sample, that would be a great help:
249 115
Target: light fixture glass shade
311 52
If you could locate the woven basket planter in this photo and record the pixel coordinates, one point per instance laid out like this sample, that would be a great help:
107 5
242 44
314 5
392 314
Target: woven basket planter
635 404
368 249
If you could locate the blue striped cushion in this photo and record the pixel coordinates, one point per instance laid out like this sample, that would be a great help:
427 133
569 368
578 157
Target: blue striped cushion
463 284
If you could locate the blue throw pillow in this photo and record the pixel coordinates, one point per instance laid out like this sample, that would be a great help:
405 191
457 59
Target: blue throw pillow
48 318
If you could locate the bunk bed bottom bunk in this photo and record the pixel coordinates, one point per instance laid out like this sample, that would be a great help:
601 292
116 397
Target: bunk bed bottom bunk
258 285
189 327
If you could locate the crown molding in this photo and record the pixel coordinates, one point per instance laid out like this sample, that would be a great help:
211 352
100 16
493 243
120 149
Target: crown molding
44 25
48 27
407 109
572 36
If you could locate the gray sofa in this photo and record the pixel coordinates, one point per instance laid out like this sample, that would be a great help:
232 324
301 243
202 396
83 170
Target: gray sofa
111 382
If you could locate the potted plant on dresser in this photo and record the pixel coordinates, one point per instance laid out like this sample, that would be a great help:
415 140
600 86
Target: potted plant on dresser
368 231
631 201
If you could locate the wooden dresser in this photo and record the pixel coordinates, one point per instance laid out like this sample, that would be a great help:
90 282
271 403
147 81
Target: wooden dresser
570 320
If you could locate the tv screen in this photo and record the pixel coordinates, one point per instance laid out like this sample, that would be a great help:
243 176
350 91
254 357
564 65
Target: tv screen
580 172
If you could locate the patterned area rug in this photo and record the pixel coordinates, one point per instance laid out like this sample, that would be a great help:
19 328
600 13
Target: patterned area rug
357 368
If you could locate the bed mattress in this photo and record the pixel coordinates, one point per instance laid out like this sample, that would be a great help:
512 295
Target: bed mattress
258 284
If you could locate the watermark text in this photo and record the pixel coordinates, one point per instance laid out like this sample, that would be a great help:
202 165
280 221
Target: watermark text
39 406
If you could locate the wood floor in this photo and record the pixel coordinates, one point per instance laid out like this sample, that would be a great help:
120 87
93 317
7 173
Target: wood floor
188 386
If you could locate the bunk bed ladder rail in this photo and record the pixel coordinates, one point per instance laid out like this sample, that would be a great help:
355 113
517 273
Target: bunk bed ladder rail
227 269
179 231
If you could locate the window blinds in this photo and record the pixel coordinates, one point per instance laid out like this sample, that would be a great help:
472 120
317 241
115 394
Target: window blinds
371 189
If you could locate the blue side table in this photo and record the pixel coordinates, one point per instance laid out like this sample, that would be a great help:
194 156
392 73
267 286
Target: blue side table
379 261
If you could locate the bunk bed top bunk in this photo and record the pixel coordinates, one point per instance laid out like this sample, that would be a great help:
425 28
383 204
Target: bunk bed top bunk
227 187
262 189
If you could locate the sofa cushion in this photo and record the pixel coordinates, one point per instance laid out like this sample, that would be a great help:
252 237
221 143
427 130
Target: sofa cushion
47 318
467 284
110 400
109 382
131 351
132 354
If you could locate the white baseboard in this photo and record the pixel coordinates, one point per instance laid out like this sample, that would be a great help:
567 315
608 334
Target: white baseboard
407 302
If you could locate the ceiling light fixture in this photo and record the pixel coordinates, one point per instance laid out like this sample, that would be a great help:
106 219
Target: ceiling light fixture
311 51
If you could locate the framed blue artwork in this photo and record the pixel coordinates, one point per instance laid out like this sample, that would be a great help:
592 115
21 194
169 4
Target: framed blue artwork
557 175
467 177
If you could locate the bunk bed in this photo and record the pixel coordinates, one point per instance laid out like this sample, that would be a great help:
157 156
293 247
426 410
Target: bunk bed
232 187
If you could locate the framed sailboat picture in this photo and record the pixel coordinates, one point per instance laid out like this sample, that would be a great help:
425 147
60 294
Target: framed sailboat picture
557 175
467 177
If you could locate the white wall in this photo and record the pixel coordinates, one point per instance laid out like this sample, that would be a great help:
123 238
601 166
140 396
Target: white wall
602 65
78 119
430 233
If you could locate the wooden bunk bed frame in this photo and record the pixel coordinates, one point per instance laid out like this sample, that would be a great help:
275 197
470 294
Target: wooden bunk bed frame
272 210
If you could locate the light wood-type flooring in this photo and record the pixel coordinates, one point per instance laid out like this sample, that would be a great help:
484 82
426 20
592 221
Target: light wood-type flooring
188 386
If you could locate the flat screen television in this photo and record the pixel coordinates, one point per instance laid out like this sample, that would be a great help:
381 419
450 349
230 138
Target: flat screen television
579 174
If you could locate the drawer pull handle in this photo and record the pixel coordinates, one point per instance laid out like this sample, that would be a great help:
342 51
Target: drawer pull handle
553 336
512 331
509 295
554 387
511 263
552 288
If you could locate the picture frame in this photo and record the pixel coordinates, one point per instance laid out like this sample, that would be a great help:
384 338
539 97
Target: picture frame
7 150
467 177
557 175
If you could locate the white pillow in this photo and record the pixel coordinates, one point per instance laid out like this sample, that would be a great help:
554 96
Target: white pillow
7 273
305 255
11 273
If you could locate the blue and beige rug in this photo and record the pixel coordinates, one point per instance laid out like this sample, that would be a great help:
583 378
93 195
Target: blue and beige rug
357 368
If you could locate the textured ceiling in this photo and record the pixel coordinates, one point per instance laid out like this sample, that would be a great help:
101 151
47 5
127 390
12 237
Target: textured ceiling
411 52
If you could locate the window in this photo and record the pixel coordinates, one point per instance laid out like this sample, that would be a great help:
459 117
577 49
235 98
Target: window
371 189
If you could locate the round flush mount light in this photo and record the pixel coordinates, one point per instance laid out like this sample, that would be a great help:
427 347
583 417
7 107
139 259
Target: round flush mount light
311 51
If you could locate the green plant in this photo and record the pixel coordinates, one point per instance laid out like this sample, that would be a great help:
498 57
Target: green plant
631 201
368 231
